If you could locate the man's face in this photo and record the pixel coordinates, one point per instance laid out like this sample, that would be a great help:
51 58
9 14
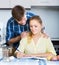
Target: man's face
23 21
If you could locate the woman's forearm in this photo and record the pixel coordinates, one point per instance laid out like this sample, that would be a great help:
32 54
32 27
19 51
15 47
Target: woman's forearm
42 54
48 56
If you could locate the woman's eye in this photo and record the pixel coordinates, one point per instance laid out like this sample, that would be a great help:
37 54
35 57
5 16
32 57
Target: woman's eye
35 26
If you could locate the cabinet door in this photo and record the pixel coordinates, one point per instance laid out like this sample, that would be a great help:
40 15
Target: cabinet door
4 3
24 3
40 2
54 2
45 2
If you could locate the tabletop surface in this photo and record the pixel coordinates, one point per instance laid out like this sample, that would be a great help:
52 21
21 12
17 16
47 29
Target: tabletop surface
27 61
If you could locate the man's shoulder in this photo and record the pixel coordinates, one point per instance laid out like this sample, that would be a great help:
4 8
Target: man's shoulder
29 14
11 20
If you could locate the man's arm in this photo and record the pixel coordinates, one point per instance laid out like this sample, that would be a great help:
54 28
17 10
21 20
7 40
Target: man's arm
13 40
10 33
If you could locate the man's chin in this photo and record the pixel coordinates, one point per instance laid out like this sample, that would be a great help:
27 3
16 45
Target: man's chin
24 24
21 24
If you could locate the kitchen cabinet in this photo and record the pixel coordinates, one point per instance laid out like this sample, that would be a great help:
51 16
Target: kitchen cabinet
28 3
4 3
54 2
12 3
24 3
45 2
39 2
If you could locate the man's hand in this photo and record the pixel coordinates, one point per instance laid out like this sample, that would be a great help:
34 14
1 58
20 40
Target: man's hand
24 34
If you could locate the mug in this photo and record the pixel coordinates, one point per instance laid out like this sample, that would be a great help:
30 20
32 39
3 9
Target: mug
5 52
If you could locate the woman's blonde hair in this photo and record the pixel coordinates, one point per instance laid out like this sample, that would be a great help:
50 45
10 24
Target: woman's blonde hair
29 37
36 18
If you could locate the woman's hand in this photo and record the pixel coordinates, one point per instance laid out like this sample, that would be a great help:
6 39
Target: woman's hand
54 58
58 57
20 55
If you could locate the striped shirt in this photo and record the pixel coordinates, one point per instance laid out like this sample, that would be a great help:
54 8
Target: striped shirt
14 29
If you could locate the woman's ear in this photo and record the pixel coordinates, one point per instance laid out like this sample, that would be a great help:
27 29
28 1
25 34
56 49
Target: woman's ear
42 28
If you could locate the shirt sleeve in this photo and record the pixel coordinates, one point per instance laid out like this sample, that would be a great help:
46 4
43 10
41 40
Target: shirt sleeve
22 45
9 31
50 47
29 15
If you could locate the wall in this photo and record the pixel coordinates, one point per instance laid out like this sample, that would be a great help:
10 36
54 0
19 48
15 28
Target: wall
4 16
50 18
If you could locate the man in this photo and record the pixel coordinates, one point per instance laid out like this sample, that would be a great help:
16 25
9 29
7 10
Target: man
17 26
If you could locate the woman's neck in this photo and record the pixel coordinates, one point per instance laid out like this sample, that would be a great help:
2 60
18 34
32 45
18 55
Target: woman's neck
37 35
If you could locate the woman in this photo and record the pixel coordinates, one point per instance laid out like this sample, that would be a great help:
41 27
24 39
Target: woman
34 44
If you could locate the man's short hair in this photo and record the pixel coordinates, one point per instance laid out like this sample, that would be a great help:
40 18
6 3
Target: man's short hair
18 12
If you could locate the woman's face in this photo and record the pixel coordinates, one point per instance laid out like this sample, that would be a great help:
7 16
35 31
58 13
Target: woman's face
35 26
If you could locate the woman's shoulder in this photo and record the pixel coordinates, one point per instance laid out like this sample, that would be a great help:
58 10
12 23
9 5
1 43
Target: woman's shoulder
25 38
45 38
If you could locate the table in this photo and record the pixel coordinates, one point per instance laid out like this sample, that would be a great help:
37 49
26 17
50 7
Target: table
24 61
52 62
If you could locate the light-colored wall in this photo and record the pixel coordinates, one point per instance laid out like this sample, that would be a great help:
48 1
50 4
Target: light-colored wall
4 16
49 16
